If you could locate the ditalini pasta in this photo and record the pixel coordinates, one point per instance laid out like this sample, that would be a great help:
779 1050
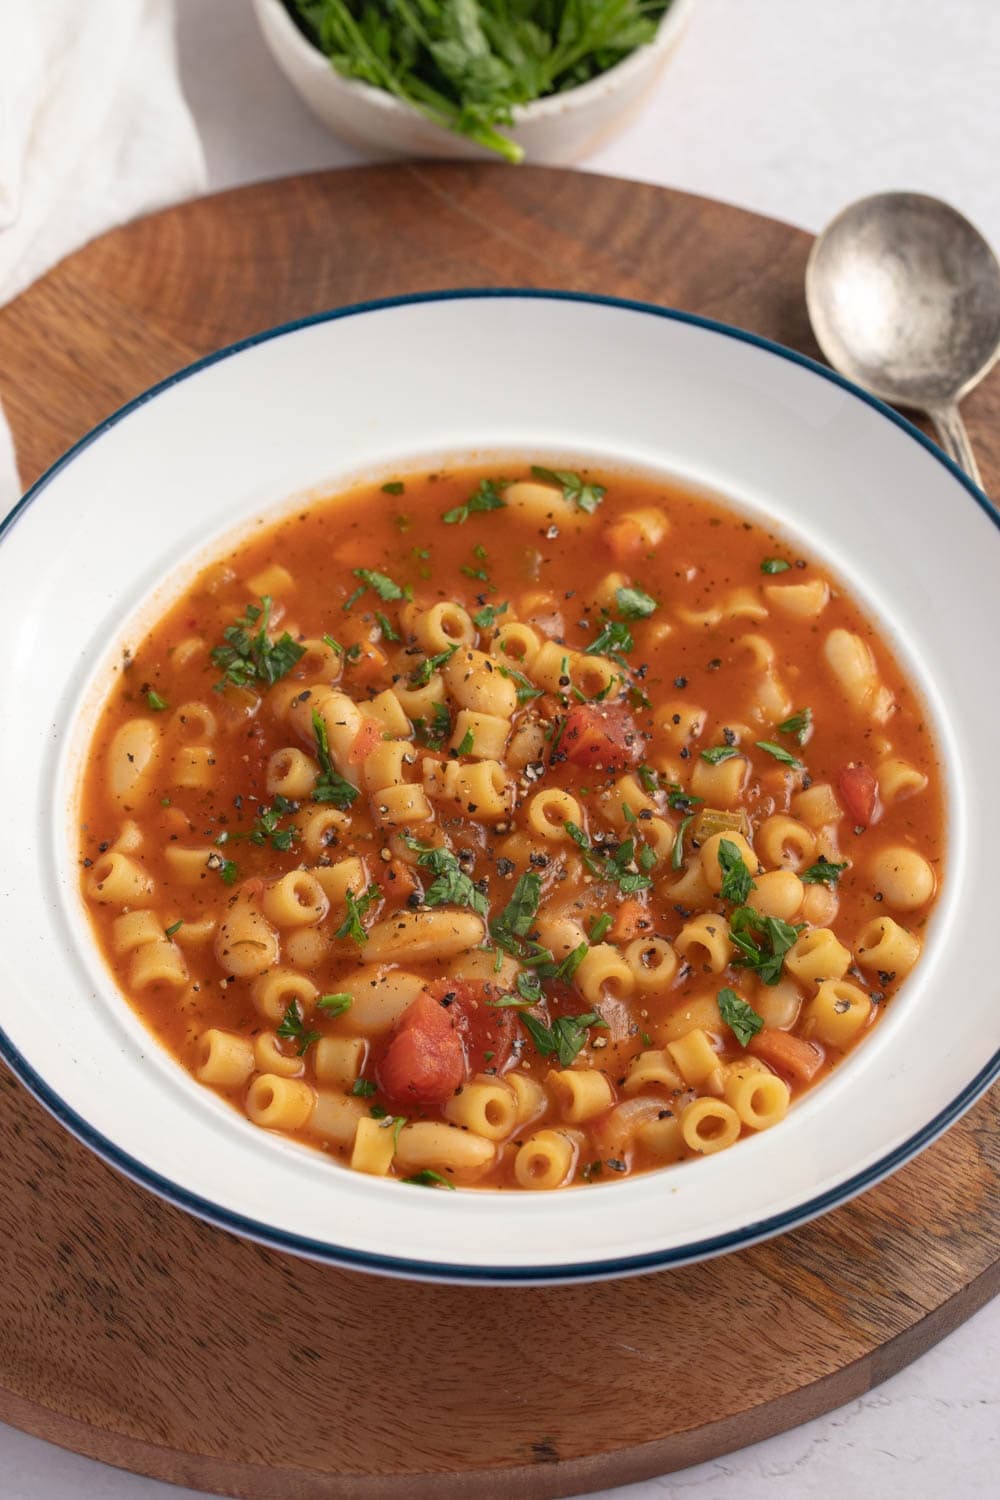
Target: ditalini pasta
511 833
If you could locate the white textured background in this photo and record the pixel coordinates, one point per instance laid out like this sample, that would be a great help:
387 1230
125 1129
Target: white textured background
792 108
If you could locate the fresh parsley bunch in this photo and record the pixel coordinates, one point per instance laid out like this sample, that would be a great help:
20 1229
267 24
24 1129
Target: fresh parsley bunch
466 63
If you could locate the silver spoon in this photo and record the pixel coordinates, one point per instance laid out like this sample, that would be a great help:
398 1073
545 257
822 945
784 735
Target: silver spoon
904 299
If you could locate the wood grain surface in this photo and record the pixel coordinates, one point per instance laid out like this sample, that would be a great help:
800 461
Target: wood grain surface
140 1336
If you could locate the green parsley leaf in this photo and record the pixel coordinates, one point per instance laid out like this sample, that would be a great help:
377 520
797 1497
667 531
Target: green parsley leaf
741 1018
426 1177
385 625
155 702
798 724
480 574
328 640
334 1005
378 1112
266 827
174 927
451 886
229 871
649 778
423 674
600 925
293 1029
394 487
779 753
468 740
484 618
634 603
357 906
517 916
762 942
825 872
330 787
586 497
678 800
572 962
486 497
617 869
382 584
716 754
438 730
737 882
363 1088
246 659
564 1038
613 639
677 854
774 565
526 689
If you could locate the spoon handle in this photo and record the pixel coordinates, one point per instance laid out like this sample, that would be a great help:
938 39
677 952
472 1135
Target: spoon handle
955 440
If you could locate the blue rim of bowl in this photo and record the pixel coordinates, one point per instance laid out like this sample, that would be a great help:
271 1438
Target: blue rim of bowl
320 1250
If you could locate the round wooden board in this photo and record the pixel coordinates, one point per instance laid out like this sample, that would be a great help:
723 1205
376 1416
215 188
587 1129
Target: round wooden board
140 1336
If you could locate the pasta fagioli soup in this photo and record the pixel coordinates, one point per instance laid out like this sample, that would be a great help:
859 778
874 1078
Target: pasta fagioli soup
512 832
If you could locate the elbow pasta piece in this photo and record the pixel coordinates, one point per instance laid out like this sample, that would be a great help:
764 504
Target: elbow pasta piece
678 722
515 644
884 946
339 1059
274 579
759 1099
710 857
274 991
291 773
721 785
652 1068
580 1093
295 900
819 905
120 881
320 662
898 779
156 963
653 963
387 765
269 1058
374 1147
193 722
277 1103
443 625
546 1160
603 971
246 944
306 947
337 879
904 877
530 1098
322 829
475 682
561 935
193 767
548 812
694 1057
805 601
401 806
386 708
527 744
785 842
709 1125
134 928
626 793
487 1109
483 736
132 758
837 1012
419 702
537 501
817 806
817 954
703 942
224 1058
853 667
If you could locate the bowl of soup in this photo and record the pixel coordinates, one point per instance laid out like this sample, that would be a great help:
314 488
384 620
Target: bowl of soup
501 829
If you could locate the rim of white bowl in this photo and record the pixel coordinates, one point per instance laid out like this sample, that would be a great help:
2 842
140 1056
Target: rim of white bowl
539 109
325 1251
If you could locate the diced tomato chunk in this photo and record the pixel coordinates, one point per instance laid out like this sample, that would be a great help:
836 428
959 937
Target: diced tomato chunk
787 1054
424 1062
631 921
367 737
487 1030
396 881
858 793
601 734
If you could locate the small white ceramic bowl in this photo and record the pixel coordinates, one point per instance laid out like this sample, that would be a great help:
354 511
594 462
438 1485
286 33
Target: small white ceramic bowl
110 535
551 131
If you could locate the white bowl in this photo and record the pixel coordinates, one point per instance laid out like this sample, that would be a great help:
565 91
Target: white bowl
552 131
119 524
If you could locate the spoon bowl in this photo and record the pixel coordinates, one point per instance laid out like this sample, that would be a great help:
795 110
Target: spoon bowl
904 298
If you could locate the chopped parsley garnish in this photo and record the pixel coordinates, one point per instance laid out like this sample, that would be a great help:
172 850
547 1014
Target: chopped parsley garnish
774 565
634 603
613 639
600 925
293 1029
423 674
564 1038
617 869
779 753
798 724
580 838
480 574
715 754
484 618
677 855
174 927
762 942
824 872
678 800
363 1088
586 497
526 689
426 1177
357 906
486 497
229 870
246 659
330 787
451 885
389 633
382 584
334 1005
328 640
266 828
155 702
741 1018
437 731
517 916
737 882
394 487
468 740
650 780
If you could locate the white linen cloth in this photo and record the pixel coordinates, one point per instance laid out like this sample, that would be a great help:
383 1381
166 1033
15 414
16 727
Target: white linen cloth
94 130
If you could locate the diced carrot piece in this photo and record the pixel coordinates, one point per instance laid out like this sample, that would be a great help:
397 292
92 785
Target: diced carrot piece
396 881
788 1054
368 736
631 921
425 1060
